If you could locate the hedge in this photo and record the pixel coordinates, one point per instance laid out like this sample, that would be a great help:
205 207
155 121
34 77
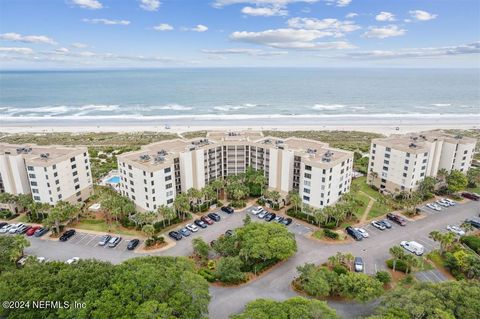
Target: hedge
400 265
473 242
207 274
302 216
330 234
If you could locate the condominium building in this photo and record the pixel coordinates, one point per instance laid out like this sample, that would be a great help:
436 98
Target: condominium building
154 175
49 173
401 162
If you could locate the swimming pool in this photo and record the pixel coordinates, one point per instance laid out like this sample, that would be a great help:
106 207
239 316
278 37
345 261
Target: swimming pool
113 180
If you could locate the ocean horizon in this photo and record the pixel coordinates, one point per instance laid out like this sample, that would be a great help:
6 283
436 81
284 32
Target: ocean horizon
282 95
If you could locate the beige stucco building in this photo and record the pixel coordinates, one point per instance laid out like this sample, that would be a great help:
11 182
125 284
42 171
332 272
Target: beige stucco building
154 175
48 173
401 162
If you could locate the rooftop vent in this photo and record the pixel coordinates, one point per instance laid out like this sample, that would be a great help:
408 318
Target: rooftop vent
162 152
233 134
412 145
44 156
458 137
145 157
267 141
423 136
279 142
327 157
24 150
159 159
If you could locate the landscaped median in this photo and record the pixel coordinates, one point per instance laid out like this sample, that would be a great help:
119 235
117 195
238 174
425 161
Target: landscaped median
245 253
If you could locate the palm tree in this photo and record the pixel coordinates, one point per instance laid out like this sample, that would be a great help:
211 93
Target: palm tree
194 195
295 200
442 174
167 213
18 245
445 239
373 176
218 185
397 253
149 230
63 211
319 216
208 193
410 262
275 196
181 204
348 259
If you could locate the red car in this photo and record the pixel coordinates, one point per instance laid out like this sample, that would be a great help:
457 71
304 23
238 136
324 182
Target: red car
471 196
32 230
207 220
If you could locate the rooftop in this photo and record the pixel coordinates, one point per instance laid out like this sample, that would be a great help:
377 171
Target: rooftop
41 155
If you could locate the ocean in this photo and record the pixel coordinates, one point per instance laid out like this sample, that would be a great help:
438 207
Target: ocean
247 95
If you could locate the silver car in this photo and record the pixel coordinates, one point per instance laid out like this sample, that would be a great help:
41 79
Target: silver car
104 240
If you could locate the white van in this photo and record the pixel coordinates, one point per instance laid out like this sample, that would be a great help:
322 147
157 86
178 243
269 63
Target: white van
413 247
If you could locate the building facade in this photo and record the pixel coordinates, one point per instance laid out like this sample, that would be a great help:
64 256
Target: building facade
158 172
400 162
49 173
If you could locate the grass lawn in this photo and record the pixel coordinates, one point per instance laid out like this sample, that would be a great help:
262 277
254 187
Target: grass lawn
378 210
101 226
474 190
318 234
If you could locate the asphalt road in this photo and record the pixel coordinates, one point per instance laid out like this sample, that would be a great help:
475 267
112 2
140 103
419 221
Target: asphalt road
275 284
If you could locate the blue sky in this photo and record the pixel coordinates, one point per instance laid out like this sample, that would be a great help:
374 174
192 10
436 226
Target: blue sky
228 33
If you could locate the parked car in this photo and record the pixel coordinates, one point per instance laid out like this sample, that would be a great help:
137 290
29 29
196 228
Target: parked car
132 244
448 200
105 239
442 203
413 247
262 214
22 261
434 206
185 232
386 223
206 220
2 224
363 232
355 234
73 260
475 222
214 216
5 228
287 221
212 243
32 230
378 225
200 223
192 228
14 228
456 230
41 260
114 241
471 196
358 264
271 216
41 231
278 219
23 229
227 209
67 235
397 219
175 235
257 210
229 232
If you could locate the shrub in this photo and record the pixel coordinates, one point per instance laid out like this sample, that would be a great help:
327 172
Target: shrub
229 270
384 277
473 242
238 204
154 240
261 201
301 215
219 203
207 274
5 214
400 265
330 225
340 270
330 234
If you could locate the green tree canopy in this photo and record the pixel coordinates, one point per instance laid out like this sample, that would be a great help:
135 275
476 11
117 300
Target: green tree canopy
456 181
11 249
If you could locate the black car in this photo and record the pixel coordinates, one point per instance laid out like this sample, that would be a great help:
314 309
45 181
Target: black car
132 244
41 231
66 235
355 234
270 217
214 216
229 232
287 221
3 224
227 209
200 223
475 222
175 235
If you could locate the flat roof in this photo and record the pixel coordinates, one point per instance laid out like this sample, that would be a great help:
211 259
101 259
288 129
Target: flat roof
41 155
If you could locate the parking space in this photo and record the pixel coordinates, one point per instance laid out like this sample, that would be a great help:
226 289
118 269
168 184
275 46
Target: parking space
431 276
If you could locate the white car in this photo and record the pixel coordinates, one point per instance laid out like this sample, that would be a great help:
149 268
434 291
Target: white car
456 230
73 260
434 207
14 228
439 202
451 202
262 214
378 225
41 259
413 247
363 232
192 228
5 229
257 210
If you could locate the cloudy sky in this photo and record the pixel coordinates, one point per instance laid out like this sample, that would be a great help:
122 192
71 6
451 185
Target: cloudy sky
228 33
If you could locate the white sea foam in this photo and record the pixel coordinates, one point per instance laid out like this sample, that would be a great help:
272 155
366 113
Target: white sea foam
327 106
358 107
441 104
173 107
228 108
98 107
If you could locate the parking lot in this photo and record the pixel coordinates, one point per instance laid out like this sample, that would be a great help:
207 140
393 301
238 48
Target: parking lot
433 275
91 241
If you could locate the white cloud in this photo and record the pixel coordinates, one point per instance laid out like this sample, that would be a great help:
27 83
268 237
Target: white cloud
107 21
150 5
337 27
470 48
16 50
265 11
163 27
15 37
199 28
385 16
290 39
62 50
339 3
222 3
79 45
242 51
88 4
351 15
420 15
384 32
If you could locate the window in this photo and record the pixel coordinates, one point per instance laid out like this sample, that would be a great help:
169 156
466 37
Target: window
74 166
307 183
385 168
168 186
373 151
386 162
405 168
75 180
169 193
388 149
129 166
168 178
36 197
170 200
308 168
424 161
167 170
306 190
33 183
72 159
59 196
404 174
306 198
407 161
75 173
54 166
307 175
408 154
31 175
58 189
144 173
30 168
34 190
55 174
387 155
77 187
